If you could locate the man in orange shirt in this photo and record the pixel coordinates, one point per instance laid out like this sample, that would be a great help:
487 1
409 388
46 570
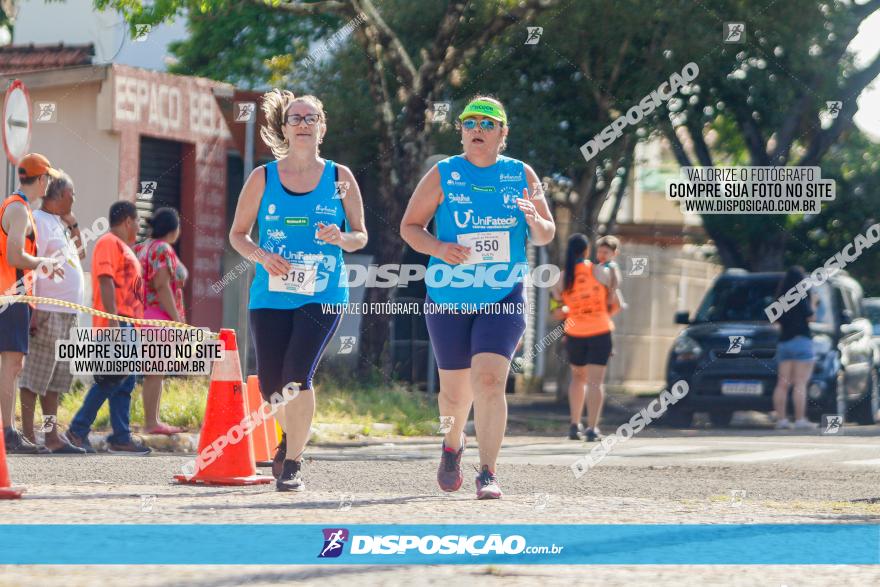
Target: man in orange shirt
117 285
18 258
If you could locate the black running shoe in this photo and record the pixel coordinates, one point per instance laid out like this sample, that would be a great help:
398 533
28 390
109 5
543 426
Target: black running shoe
18 444
593 435
291 477
576 431
280 455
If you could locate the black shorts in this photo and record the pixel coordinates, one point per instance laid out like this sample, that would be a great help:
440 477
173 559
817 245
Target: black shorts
588 350
15 325
289 345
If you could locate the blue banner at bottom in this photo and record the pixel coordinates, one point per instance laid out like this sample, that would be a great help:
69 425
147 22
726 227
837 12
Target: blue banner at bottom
604 544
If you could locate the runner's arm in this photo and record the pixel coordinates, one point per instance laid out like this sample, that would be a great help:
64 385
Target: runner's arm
543 229
355 238
419 212
245 215
559 310
556 289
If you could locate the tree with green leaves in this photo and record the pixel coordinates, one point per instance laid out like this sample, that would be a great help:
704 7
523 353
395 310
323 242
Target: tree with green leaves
854 164
763 101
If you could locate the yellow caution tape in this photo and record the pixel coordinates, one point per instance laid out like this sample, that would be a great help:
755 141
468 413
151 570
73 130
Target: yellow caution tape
94 312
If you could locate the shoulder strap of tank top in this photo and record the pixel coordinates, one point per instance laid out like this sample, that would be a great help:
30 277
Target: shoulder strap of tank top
328 180
271 169
17 196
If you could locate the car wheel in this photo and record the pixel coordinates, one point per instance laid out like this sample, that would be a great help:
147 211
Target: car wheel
721 419
677 417
865 411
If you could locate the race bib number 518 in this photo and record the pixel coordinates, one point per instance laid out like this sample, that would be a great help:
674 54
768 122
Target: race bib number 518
300 280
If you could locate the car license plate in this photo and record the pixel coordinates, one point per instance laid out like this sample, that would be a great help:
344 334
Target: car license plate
741 388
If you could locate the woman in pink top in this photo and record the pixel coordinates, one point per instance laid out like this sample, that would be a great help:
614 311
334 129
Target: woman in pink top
164 276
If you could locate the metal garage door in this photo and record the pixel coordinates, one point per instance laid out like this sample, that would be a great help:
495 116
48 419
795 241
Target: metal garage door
159 178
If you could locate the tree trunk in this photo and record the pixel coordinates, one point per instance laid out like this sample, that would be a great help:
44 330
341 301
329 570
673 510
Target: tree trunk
767 254
375 332
397 182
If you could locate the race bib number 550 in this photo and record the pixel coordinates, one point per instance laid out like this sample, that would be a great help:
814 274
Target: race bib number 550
486 247
300 280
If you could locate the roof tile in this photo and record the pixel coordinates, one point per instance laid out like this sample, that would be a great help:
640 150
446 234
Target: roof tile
20 58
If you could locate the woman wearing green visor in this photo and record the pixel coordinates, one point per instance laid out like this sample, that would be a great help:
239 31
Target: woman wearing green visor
475 311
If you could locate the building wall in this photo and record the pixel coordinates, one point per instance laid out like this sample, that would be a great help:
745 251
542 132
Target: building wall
101 115
181 109
76 144
644 201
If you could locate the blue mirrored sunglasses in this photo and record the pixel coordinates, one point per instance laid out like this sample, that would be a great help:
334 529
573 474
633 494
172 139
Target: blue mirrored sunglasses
471 124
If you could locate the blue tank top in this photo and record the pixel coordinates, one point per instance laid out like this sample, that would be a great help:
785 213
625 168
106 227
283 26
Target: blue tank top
287 224
479 210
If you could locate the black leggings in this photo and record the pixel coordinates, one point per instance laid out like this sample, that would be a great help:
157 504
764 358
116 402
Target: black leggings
289 345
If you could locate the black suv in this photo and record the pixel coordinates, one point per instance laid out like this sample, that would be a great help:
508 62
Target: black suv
727 353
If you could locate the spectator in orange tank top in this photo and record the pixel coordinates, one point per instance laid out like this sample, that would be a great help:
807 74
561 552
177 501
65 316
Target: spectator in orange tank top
18 258
585 291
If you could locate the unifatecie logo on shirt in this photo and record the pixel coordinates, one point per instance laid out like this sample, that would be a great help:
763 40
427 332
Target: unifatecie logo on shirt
468 219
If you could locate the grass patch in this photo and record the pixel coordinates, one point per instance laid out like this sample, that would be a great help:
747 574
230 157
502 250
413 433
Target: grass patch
411 413
543 426
183 404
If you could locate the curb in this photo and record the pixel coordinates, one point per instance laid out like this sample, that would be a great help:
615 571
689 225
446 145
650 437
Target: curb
188 442
182 443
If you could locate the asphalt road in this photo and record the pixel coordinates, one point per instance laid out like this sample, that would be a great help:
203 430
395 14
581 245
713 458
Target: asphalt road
741 475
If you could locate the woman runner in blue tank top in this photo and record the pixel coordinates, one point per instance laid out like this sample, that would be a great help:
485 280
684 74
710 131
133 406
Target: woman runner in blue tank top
300 204
483 212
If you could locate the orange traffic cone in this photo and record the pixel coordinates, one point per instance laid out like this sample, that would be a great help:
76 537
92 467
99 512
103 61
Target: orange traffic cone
225 451
265 436
6 489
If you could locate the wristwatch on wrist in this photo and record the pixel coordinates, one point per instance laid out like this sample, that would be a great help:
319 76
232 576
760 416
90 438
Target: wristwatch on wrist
74 225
